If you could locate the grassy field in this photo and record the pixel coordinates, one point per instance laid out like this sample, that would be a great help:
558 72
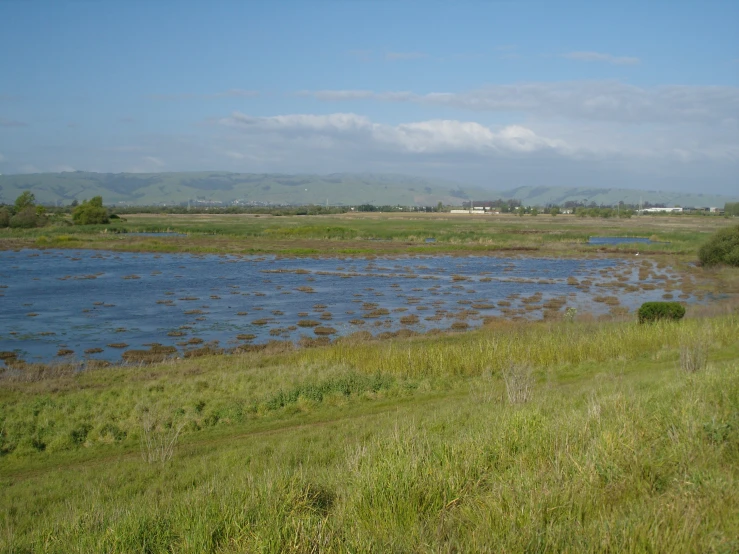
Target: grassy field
548 436
523 437
370 234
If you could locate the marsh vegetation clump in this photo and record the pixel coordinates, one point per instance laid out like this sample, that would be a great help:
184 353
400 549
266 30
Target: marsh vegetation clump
313 342
143 356
207 350
379 312
324 330
411 319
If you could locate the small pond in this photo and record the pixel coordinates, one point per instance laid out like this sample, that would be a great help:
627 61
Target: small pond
618 240
93 304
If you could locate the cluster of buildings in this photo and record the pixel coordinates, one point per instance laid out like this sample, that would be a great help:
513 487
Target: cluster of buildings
677 210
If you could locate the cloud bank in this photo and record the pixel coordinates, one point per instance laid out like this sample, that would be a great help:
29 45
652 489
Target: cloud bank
582 100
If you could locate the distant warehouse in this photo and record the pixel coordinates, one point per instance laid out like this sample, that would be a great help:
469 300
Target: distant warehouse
662 210
475 210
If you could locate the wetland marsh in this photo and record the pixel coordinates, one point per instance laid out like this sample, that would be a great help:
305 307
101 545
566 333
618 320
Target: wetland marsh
112 305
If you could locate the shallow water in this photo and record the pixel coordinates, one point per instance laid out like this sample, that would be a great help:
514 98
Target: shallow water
618 240
78 300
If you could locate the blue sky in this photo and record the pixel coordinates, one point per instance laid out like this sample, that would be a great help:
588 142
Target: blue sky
500 94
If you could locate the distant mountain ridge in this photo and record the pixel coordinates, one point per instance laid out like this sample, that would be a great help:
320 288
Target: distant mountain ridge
217 186
335 189
541 196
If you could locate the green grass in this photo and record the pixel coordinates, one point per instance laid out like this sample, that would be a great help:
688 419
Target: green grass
368 234
405 446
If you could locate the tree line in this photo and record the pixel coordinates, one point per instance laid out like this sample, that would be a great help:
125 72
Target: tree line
25 213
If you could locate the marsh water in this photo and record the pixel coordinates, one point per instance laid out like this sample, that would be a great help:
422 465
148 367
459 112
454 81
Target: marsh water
55 302
618 240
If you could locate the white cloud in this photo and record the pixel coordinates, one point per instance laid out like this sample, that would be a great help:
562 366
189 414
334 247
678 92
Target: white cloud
428 137
587 100
600 57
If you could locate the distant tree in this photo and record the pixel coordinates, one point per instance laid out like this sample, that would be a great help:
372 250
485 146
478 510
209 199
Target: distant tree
74 203
439 207
731 208
91 212
534 211
4 217
554 210
24 201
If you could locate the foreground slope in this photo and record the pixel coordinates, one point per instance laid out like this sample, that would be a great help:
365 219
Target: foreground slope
388 447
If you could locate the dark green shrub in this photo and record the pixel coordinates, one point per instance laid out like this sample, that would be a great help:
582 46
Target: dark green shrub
25 219
721 248
4 217
653 311
91 212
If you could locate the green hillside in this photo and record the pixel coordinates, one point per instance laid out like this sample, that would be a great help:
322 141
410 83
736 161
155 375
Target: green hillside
541 196
174 188
337 189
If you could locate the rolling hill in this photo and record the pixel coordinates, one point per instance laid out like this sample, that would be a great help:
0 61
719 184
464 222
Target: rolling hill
175 188
541 196
335 189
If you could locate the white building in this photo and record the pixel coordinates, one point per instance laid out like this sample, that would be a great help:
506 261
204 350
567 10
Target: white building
661 210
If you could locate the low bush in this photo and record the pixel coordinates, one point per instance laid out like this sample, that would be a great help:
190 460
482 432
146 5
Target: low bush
4 217
722 248
654 311
27 218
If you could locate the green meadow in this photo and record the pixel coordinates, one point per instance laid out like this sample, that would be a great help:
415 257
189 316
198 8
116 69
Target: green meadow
574 434
368 234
